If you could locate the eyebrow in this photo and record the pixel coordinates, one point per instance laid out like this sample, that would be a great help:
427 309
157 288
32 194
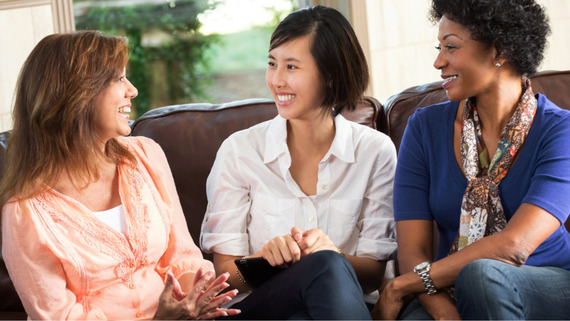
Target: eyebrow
270 56
451 34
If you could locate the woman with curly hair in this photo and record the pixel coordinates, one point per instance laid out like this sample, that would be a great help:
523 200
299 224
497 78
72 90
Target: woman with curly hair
491 168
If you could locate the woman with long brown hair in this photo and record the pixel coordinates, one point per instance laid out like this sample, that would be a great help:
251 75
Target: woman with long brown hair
92 227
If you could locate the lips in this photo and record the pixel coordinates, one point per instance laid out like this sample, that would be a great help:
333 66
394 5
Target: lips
285 98
124 111
448 80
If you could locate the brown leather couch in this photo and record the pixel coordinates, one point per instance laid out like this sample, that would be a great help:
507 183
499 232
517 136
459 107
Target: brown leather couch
191 134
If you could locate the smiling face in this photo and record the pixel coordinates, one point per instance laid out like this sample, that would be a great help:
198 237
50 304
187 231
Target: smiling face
112 107
294 80
467 66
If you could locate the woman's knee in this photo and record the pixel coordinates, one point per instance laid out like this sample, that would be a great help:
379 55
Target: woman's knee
481 278
324 260
478 272
334 265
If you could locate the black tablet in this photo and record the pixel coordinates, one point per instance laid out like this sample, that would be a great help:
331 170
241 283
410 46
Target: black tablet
256 270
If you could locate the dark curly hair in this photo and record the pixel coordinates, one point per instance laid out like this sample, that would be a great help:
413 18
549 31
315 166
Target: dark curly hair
516 28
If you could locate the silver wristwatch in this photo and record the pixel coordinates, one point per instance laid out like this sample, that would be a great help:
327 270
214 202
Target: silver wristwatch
422 270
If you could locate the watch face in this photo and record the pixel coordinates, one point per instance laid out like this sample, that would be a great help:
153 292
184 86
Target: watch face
421 266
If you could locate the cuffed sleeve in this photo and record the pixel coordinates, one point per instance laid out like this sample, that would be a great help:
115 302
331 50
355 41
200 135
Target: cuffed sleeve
377 237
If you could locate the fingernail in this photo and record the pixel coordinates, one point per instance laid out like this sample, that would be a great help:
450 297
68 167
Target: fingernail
226 284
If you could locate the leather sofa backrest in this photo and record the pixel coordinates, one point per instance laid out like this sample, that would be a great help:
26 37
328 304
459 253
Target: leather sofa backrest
191 134
398 108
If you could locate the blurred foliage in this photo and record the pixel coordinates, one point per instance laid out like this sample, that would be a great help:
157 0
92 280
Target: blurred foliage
168 64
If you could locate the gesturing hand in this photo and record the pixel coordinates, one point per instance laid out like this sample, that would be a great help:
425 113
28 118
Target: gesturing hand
312 241
202 302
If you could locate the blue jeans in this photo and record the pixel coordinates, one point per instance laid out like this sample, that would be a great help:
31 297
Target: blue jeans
493 290
320 286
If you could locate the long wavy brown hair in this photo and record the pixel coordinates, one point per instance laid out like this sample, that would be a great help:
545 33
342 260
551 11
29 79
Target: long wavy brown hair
54 132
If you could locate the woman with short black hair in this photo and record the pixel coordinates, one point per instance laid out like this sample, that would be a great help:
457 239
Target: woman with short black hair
308 184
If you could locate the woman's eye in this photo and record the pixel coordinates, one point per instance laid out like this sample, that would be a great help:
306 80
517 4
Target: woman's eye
447 47
291 67
121 78
271 64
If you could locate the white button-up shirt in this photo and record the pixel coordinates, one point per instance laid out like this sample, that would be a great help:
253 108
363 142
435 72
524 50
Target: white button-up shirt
253 197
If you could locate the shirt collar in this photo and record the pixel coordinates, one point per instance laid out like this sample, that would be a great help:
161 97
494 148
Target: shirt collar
343 145
276 140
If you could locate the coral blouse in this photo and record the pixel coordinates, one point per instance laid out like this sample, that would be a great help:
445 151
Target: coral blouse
67 264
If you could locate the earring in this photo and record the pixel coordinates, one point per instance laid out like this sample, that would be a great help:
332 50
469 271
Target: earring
498 65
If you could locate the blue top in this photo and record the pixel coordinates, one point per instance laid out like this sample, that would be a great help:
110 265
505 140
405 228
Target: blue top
429 184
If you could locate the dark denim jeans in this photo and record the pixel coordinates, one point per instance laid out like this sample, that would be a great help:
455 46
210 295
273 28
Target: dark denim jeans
321 286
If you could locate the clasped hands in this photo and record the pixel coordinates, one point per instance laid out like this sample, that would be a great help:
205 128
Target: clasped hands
202 301
288 249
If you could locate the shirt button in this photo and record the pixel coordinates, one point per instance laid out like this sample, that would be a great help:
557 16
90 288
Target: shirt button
324 187
139 314
131 286
312 218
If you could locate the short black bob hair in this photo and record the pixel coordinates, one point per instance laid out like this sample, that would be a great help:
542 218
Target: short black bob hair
516 28
336 50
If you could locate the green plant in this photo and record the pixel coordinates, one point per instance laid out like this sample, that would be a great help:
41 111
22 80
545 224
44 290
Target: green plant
168 64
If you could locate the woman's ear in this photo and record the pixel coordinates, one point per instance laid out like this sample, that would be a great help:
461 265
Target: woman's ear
500 57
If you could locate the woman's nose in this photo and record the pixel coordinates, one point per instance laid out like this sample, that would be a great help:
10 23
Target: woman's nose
439 62
132 91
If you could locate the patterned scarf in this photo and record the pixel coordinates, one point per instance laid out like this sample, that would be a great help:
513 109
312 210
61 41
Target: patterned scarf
481 210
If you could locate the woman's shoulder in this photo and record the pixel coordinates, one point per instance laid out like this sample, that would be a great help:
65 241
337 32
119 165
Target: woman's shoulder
552 111
257 130
137 142
143 148
366 138
252 137
436 119
550 117
436 111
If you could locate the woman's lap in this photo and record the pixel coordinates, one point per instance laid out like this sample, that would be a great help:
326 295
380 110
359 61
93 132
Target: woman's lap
490 289
322 285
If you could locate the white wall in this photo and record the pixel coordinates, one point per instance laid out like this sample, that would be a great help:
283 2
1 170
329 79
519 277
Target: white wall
401 42
23 23
22 28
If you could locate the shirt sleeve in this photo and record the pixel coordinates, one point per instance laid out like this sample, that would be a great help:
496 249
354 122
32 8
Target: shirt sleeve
411 186
550 184
224 229
377 238
182 255
35 270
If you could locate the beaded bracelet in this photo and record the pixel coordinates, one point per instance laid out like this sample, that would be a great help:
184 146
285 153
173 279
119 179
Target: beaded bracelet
239 275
